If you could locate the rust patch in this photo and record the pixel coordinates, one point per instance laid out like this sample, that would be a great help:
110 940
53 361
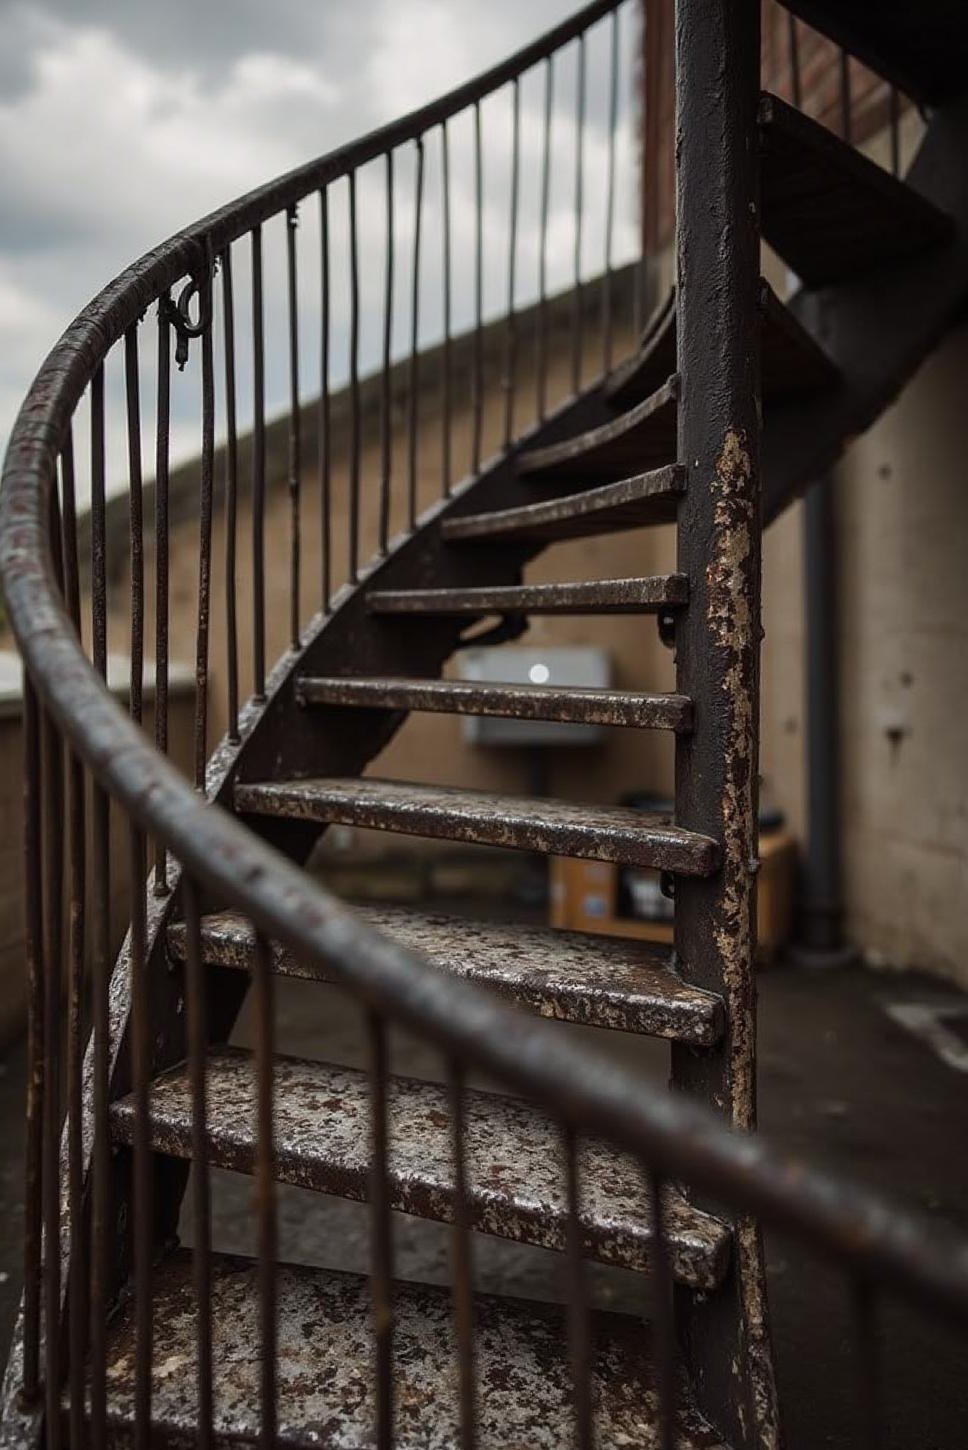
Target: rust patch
732 577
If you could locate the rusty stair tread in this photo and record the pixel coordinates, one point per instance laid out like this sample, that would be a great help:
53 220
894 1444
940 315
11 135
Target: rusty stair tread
325 1379
630 503
514 1163
593 596
829 211
792 362
644 437
575 705
626 986
524 823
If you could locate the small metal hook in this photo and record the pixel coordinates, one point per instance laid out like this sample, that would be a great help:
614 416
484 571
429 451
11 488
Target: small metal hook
179 312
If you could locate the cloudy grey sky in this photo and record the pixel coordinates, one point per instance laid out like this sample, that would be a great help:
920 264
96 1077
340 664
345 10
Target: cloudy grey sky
122 120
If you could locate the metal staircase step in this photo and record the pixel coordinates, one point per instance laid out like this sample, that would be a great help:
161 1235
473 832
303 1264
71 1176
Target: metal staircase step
325 1377
575 705
648 498
642 438
830 212
516 1184
561 828
793 365
595 596
622 985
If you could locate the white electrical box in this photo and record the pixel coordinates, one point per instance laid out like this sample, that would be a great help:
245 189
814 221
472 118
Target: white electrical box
534 666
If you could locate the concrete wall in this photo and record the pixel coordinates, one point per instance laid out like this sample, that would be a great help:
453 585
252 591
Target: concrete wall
902 496
902 515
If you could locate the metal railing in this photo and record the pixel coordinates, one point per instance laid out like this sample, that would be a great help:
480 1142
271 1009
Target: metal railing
94 778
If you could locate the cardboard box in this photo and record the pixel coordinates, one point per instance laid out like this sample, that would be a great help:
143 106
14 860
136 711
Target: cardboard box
584 897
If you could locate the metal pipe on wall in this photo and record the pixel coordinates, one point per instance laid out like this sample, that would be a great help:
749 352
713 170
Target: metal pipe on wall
821 940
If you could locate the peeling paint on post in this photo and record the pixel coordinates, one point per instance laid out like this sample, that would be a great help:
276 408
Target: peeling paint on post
717 639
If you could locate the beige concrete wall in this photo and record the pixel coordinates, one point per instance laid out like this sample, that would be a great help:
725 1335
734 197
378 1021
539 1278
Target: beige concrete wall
902 515
902 498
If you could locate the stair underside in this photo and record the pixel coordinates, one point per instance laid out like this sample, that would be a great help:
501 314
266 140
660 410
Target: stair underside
514 1162
325 1377
829 211
642 438
631 503
625 986
597 596
561 828
573 706
792 364
921 48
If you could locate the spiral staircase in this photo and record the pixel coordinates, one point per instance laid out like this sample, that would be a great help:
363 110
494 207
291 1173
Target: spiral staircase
158 1346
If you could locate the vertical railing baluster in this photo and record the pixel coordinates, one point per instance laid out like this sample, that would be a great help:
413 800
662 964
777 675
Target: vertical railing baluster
793 51
846 120
197 997
100 948
381 1233
462 1262
295 429
162 434
542 334
510 339
579 1332
53 920
203 619
258 473
136 521
662 1316
415 344
576 306
265 1185
53 854
354 458
78 1264
894 103
325 456
51 925
478 366
231 501
386 398
865 1336
446 425
607 341
143 1197
38 1079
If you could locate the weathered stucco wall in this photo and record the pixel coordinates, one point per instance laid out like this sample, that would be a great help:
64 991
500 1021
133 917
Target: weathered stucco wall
902 500
902 514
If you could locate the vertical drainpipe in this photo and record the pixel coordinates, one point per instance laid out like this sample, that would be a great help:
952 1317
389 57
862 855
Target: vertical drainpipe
821 942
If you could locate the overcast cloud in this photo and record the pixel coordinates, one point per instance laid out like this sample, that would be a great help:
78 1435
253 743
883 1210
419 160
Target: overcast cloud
121 122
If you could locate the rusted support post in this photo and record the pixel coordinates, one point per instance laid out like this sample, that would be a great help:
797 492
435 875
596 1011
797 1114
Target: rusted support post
718 638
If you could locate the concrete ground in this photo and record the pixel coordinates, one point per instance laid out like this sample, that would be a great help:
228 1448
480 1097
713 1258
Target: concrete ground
841 1083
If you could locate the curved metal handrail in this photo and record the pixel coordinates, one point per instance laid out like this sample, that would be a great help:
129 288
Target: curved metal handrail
674 1136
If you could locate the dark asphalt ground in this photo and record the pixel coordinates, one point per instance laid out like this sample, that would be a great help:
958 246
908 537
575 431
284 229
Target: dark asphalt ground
840 1084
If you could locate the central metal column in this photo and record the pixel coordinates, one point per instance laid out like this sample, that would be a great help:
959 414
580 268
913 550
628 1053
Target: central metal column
726 1336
